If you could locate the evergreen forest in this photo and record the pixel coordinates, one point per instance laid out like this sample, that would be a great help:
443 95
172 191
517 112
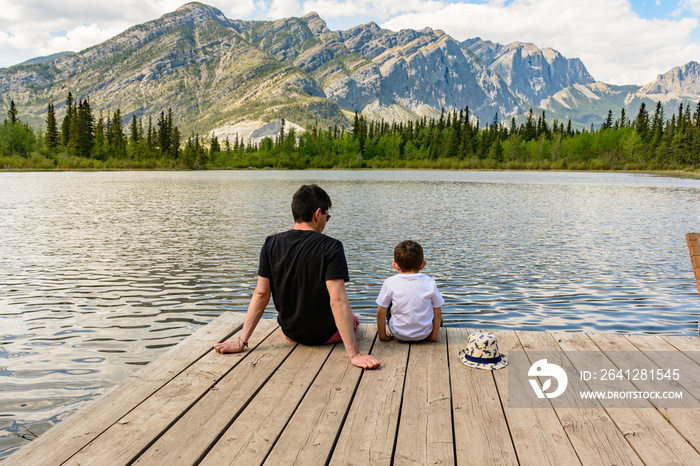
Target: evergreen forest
648 140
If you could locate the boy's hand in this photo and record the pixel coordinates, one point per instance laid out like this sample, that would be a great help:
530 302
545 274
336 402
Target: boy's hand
433 338
388 336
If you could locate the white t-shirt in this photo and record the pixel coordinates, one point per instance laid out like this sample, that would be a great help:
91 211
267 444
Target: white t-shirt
414 295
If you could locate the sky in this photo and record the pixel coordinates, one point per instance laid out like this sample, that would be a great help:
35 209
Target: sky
619 41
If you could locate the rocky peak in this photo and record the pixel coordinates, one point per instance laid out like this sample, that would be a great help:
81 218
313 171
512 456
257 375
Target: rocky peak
486 50
533 73
317 25
371 41
196 13
681 81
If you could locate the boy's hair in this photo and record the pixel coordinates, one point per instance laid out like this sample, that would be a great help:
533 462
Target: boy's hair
408 255
306 200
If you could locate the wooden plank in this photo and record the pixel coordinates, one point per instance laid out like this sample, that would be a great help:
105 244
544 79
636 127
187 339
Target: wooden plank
480 429
82 427
425 427
311 433
125 440
690 346
368 435
625 355
593 434
203 423
659 350
537 434
693 240
651 436
251 437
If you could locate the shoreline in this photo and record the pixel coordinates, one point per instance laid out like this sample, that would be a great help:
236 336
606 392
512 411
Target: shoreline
675 173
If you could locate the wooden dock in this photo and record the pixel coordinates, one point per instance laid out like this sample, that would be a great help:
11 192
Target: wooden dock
279 403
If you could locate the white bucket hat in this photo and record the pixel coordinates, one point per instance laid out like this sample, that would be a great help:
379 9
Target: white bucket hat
482 352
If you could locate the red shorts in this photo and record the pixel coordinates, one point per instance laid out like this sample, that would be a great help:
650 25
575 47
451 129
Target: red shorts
336 337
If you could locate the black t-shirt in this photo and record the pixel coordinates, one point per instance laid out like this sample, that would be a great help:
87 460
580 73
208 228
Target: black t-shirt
298 263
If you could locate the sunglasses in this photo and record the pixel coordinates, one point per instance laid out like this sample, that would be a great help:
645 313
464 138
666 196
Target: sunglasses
328 216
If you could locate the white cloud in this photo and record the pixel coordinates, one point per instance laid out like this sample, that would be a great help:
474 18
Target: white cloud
690 5
284 9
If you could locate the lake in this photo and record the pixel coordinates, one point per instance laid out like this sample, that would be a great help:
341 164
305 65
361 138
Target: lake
100 272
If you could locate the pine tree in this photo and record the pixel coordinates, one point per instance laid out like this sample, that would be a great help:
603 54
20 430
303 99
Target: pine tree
115 136
530 129
82 130
66 124
608 121
12 113
51 137
214 146
100 149
150 136
174 141
164 134
641 123
657 125
134 132
623 118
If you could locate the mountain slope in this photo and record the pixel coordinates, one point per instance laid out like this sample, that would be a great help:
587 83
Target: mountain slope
193 60
214 71
424 71
589 104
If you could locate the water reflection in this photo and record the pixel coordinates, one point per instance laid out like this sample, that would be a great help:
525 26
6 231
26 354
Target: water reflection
100 272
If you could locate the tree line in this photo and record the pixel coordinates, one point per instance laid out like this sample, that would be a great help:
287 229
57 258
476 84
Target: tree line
83 140
648 141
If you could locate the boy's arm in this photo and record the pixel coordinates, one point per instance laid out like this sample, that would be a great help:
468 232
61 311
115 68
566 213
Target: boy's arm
260 299
437 319
342 313
381 324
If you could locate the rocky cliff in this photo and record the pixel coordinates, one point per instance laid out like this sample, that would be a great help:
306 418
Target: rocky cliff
682 82
532 73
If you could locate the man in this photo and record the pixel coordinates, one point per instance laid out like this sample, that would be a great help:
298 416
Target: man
305 273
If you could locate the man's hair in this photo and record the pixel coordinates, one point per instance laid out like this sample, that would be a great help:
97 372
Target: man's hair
408 255
306 200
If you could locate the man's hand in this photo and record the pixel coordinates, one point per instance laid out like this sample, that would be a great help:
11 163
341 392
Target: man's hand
365 361
229 347
342 313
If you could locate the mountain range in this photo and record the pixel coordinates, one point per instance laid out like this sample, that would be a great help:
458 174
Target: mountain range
221 74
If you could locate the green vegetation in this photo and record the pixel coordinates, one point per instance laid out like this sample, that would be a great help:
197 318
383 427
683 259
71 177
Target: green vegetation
86 142
648 141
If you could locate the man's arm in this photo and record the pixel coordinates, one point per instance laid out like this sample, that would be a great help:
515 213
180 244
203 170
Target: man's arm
260 299
381 324
342 313
437 320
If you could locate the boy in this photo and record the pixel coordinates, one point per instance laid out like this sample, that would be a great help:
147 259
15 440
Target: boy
411 298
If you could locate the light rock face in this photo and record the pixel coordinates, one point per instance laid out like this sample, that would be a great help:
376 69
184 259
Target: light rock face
532 73
254 131
680 82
